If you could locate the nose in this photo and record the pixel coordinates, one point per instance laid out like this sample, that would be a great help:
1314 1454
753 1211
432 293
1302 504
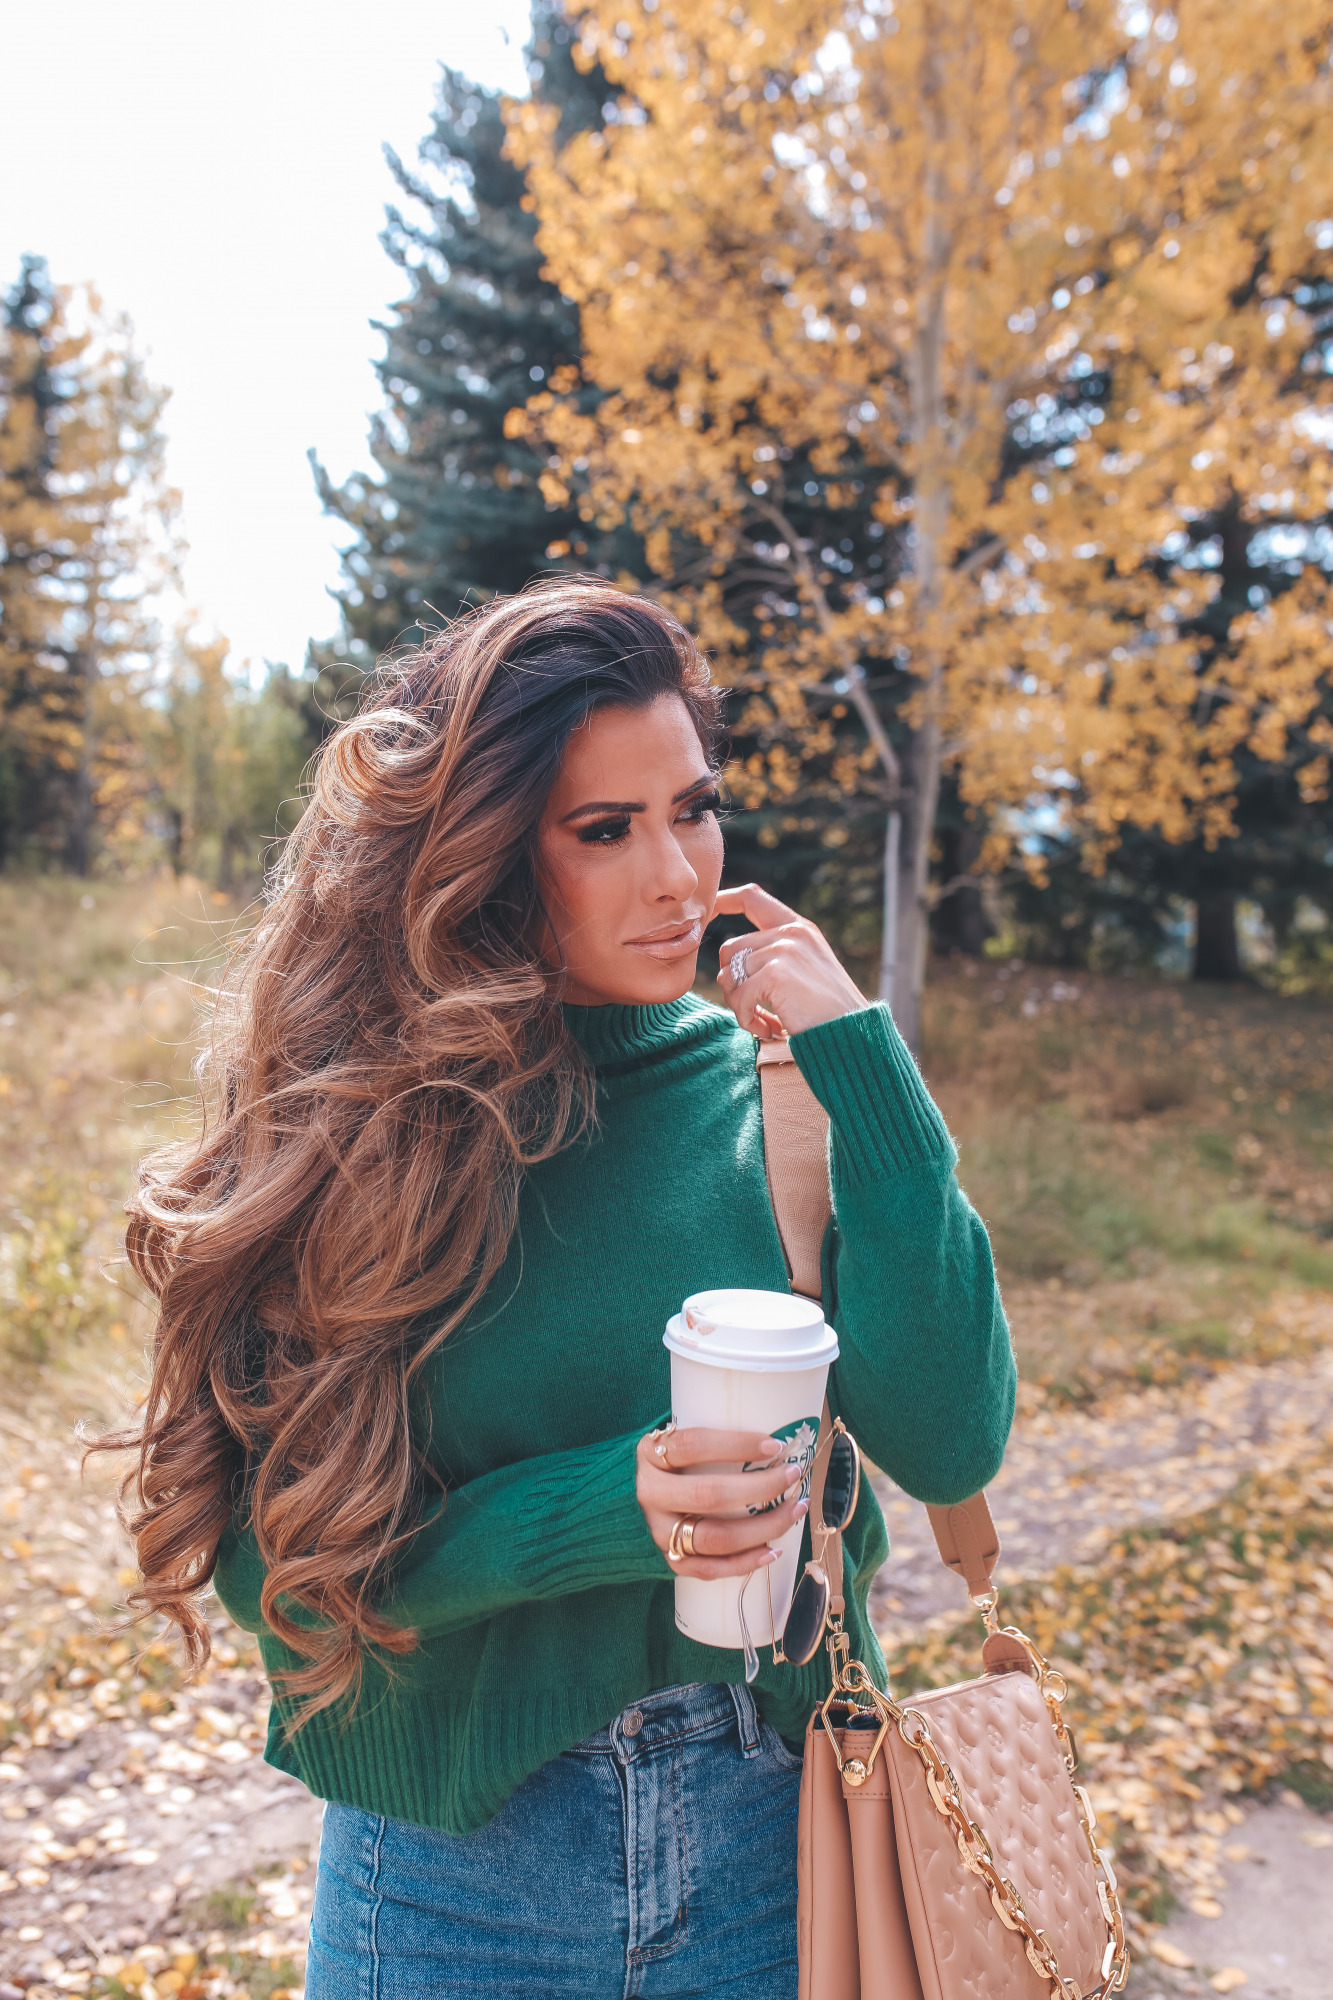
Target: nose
673 879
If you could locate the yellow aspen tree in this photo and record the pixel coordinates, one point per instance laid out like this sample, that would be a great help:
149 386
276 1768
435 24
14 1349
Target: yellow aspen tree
869 237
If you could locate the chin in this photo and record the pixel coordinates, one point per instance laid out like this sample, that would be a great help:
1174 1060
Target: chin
647 984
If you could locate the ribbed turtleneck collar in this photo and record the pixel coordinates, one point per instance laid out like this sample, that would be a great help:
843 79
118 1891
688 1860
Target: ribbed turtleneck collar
619 1037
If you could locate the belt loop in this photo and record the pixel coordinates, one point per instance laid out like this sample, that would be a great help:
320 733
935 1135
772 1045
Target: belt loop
747 1719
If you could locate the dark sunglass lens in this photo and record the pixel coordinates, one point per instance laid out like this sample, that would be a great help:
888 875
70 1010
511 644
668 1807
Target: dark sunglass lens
805 1621
840 1482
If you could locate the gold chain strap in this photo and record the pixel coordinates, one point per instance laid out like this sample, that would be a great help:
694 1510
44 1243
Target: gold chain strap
853 1686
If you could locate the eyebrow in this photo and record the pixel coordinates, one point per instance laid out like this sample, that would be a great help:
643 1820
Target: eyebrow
635 805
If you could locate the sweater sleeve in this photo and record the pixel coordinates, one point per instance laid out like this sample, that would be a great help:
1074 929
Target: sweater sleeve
541 1528
925 1378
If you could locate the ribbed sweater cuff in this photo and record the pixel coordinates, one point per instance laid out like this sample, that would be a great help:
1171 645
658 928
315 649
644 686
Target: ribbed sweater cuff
861 1070
556 1525
585 1526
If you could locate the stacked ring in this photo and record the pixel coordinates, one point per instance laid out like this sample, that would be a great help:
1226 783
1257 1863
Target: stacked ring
680 1543
739 965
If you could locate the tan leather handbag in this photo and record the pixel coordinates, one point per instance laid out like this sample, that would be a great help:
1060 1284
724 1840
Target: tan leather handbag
944 1851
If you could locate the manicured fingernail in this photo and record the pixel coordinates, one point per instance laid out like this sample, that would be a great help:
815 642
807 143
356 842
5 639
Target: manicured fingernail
771 1445
802 1510
769 1556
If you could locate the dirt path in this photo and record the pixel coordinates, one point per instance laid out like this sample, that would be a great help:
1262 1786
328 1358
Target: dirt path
137 1820
1072 1481
1276 1920
134 1817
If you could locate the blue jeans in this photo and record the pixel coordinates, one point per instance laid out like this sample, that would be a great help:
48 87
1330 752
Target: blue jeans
656 1859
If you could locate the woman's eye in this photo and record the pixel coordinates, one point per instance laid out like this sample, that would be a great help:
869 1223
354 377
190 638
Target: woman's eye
605 832
707 802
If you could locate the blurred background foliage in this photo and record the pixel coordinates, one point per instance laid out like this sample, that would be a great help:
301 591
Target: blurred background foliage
127 747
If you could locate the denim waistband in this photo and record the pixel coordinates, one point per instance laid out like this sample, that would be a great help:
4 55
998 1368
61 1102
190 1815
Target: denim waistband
674 1715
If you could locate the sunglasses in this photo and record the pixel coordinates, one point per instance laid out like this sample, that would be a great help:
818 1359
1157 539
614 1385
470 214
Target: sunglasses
809 1612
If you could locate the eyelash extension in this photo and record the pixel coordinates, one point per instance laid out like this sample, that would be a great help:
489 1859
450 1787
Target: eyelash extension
610 832
605 832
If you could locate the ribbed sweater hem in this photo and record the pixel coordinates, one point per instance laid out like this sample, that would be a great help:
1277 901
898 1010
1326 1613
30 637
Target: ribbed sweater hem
441 1768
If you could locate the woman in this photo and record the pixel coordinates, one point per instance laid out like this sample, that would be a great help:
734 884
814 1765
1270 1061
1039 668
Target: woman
475 1138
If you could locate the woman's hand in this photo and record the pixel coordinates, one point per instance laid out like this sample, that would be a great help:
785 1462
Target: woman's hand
792 978
728 1541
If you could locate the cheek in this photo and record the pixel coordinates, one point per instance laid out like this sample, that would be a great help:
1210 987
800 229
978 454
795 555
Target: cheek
578 886
711 856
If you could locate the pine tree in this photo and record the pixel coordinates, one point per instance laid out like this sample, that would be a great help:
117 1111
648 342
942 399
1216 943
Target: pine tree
39 706
456 513
86 538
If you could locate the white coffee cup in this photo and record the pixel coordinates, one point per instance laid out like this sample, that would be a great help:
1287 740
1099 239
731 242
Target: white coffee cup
749 1361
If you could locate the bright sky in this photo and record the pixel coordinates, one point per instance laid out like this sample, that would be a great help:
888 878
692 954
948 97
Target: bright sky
217 172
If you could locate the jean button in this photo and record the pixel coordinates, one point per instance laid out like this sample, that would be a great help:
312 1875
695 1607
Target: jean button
631 1722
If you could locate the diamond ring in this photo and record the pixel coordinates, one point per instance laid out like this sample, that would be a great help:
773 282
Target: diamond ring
739 963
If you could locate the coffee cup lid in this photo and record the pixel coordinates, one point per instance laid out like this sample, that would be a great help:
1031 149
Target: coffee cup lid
764 1331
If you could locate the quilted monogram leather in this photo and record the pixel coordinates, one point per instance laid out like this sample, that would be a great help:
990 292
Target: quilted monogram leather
887 1909
997 1736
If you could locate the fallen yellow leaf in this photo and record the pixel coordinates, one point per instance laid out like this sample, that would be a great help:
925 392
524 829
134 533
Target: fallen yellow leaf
1205 1906
1228 1979
1171 1954
1319 1839
21 1548
1237 1853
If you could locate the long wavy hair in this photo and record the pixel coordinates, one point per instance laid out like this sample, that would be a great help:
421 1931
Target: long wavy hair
387 1055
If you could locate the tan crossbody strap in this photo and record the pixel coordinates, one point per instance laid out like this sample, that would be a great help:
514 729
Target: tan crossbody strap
796 1161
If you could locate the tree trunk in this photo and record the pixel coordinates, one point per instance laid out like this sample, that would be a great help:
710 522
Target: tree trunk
79 841
888 943
959 922
1216 951
176 839
921 776
931 509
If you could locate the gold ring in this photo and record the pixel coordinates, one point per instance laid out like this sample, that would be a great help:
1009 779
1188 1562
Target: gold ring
688 1527
660 1444
674 1550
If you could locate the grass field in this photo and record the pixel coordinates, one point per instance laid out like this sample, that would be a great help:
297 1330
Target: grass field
1154 1162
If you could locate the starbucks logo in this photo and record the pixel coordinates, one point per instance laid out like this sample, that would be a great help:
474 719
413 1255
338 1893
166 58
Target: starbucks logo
798 1441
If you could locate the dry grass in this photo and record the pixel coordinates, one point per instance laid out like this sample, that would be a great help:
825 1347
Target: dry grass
1154 1163
96 1011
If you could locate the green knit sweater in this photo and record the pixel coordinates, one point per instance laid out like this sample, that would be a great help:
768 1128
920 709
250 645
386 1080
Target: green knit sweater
542 1604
